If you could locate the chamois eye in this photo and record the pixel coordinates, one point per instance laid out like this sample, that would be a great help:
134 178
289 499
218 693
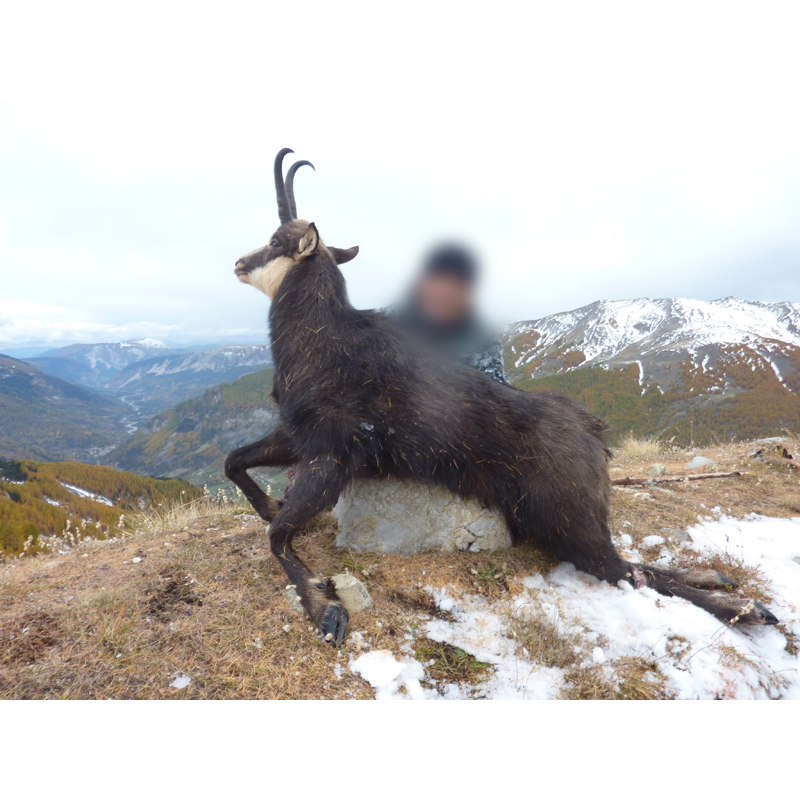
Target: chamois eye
273 243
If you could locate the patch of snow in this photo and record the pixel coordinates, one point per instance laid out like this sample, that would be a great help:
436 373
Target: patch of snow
775 369
387 675
696 655
180 681
85 493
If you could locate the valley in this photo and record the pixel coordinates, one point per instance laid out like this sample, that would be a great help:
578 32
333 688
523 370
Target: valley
689 372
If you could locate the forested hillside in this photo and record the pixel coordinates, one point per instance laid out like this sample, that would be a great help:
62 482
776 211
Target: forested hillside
191 440
51 419
41 500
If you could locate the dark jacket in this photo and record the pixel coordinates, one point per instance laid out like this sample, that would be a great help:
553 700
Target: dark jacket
470 341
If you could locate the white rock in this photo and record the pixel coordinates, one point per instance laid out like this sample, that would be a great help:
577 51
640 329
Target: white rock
293 599
407 517
352 593
656 470
699 461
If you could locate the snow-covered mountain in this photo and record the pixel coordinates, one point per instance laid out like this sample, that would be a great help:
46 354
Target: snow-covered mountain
717 356
112 356
159 383
92 365
148 375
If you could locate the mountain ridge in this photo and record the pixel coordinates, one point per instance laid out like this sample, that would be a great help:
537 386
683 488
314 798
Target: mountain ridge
715 364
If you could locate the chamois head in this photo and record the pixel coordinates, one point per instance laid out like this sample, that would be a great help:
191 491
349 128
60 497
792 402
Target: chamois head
294 241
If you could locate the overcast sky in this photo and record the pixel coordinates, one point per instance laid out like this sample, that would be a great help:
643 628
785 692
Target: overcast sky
588 151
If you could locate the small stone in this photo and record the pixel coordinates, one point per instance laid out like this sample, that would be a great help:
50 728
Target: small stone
358 640
677 533
287 628
699 462
642 496
293 599
173 627
352 593
656 470
257 643
137 560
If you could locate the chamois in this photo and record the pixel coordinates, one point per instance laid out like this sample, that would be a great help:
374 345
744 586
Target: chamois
359 398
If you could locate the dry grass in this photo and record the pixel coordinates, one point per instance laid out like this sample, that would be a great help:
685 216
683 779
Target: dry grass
646 448
546 638
194 590
449 664
633 679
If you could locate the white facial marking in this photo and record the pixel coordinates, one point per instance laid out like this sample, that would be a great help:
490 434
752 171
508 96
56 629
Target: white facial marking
268 278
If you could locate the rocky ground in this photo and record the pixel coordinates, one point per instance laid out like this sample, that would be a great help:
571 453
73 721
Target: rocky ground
190 604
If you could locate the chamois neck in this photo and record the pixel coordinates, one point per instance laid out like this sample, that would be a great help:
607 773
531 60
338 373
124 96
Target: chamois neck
312 297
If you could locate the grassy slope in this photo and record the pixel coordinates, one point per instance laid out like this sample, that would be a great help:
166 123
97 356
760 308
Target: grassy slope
762 406
207 599
24 511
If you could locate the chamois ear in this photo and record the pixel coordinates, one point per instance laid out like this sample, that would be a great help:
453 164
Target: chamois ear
309 243
342 255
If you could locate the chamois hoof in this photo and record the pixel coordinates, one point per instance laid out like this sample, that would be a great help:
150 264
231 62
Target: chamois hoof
741 611
334 623
760 615
705 579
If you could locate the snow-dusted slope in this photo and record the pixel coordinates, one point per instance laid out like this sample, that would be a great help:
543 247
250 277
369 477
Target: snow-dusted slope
112 356
218 360
727 368
159 383
609 328
646 331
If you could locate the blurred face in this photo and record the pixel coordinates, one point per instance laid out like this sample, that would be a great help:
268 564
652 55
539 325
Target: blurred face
443 300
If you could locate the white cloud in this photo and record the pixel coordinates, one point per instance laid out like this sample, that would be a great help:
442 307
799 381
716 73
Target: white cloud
588 150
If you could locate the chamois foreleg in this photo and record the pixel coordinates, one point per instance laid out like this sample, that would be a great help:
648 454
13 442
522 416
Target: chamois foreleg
317 487
273 450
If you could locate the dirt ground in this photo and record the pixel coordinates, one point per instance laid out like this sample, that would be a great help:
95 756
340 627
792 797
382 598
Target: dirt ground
200 595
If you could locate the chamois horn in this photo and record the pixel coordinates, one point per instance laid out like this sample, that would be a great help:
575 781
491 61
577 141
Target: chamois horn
290 184
284 209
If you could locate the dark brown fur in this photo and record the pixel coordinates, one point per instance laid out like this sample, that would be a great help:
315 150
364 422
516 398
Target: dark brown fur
358 398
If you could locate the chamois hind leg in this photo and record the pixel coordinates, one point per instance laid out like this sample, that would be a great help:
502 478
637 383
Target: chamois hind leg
273 450
726 607
316 487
